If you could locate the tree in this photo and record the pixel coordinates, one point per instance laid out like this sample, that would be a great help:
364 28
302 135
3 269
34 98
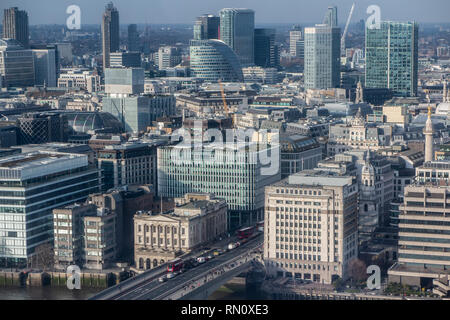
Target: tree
357 270
43 257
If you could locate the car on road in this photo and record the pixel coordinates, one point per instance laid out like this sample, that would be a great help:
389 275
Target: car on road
201 260
210 256
162 279
231 246
217 252
172 275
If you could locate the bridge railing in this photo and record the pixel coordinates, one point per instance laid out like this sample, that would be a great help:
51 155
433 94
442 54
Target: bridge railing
173 291
129 283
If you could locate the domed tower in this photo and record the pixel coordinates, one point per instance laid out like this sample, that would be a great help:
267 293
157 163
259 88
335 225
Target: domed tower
358 120
369 217
368 173
428 132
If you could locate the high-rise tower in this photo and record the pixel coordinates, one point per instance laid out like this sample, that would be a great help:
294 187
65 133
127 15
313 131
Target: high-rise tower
237 30
110 33
392 57
322 57
15 25
331 18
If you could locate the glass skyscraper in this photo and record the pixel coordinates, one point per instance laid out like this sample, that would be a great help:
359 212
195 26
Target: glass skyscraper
322 57
213 60
266 52
31 186
392 57
237 31
206 27
331 18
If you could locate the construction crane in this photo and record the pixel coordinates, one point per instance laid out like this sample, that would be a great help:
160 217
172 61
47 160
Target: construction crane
225 105
344 35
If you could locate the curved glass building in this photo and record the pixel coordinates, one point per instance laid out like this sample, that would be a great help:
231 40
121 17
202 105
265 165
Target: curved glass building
84 121
213 60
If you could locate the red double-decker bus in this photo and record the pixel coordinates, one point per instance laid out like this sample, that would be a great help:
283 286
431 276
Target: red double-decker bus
175 265
245 233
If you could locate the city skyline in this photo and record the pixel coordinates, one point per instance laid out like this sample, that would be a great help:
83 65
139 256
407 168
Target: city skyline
185 12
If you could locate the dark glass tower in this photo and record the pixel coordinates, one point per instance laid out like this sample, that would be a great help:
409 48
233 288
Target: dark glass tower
133 38
265 49
206 27
110 33
15 25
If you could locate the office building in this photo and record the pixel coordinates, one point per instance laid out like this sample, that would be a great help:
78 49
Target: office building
392 58
260 75
124 202
137 112
266 52
124 81
311 226
436 172
423 242
33 184
206 27
237 31
168 57
322 57
16 64
79 79
99 239
133 39
9 135
45 67
232 171
296 43
110 33
125 59
298 153
37 128
128 163
331 17
65 55
197 219
68 234
213 60
15 26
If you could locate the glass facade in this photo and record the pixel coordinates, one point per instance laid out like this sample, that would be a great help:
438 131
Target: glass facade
322 57
28 197
137 112
229 173
213 60
237 31
392 58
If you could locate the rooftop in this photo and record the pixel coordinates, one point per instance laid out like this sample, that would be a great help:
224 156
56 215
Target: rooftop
316 178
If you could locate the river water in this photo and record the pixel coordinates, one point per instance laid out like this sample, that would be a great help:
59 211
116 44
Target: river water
229 291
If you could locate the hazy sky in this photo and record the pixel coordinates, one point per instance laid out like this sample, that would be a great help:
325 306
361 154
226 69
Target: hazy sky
267 11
